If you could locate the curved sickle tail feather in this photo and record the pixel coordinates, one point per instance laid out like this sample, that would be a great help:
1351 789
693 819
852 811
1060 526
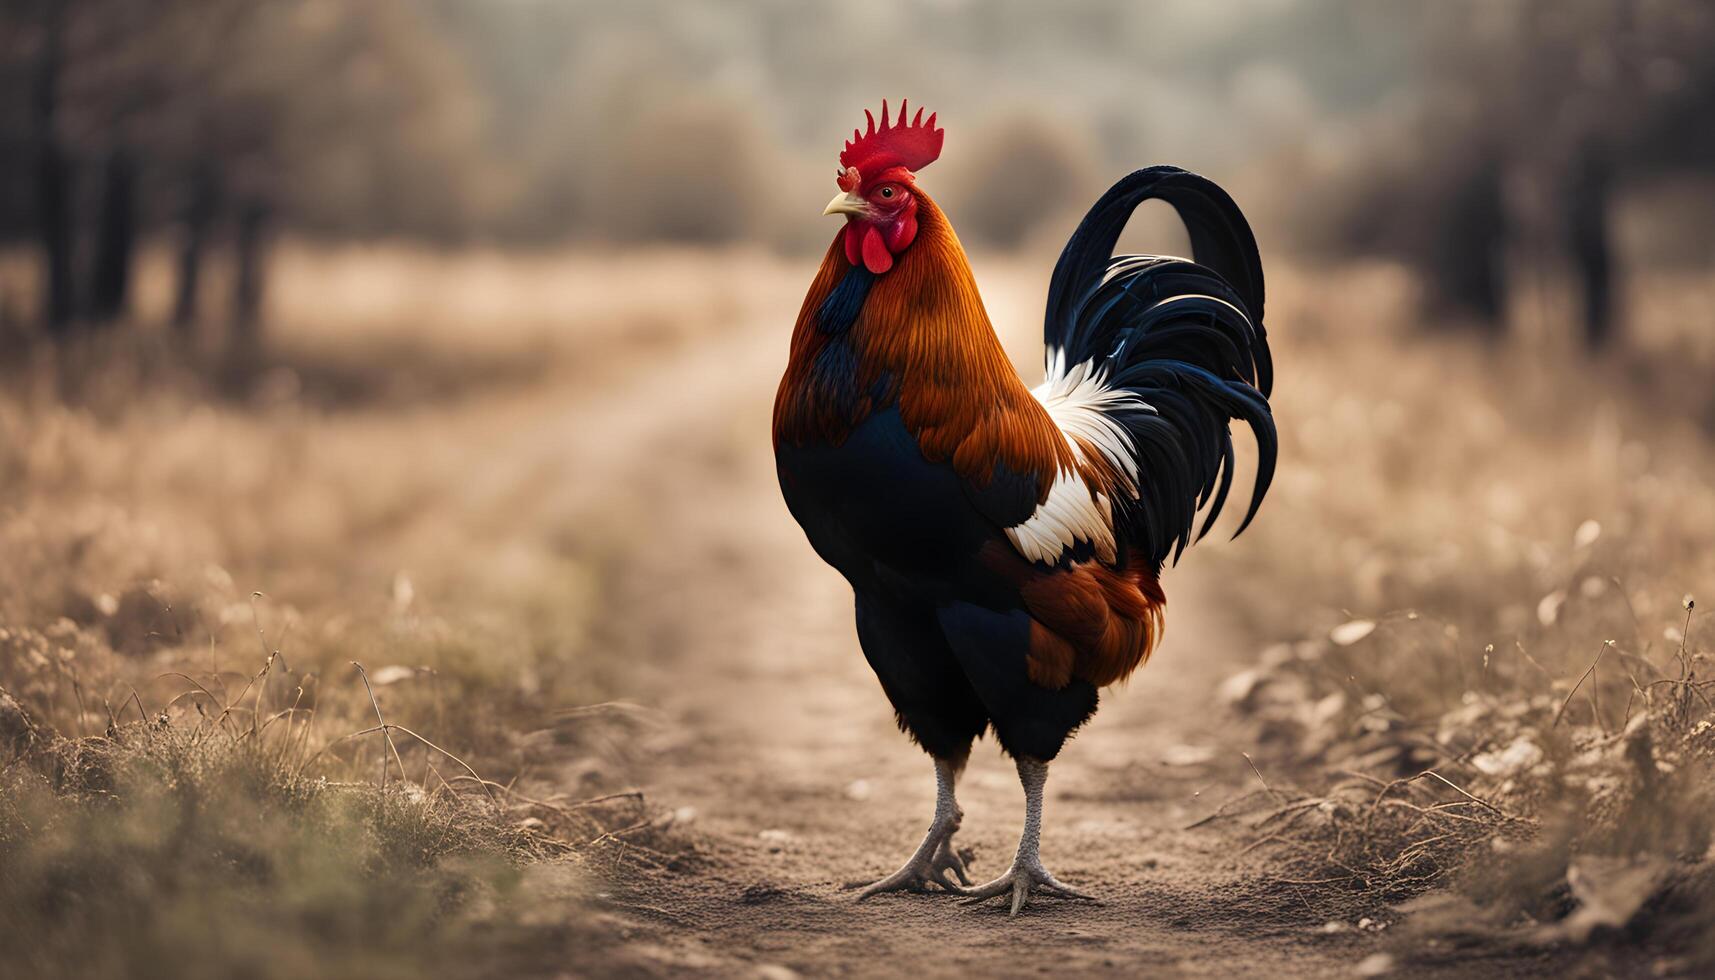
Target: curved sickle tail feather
1184 342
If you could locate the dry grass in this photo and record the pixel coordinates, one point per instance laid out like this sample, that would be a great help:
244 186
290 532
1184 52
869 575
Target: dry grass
196 559
246 841
1488 555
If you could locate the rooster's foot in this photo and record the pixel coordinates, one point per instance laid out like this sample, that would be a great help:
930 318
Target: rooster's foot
1027 873
929 865
1025 876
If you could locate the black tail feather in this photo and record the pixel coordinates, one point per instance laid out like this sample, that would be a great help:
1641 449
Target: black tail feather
1186 337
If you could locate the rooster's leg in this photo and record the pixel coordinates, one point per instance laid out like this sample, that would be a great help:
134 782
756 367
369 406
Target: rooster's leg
935 856
1027 873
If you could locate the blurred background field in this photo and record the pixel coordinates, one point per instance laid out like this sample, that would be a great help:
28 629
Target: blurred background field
439 336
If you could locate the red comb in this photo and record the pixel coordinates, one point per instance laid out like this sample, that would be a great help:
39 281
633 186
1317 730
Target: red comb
912 145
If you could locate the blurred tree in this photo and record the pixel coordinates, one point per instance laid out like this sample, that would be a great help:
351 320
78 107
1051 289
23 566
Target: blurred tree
253 220
1021 172
340 118
1588 240
691 170
1448 218
549 120
1465 242
1574 102
53 170
196 215
116 238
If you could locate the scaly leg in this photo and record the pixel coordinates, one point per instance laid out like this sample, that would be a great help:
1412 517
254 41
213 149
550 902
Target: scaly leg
1027 872
934 857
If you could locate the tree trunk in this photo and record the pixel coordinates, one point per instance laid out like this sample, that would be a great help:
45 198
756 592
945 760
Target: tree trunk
251 247
116 239
1588 236
198 215
53 179
1466 258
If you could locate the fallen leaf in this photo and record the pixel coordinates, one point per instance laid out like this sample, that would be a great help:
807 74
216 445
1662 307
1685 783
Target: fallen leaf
1326 709
392 675
1187 755
1586 534
1510 761
1548 610
1237 689
1347 634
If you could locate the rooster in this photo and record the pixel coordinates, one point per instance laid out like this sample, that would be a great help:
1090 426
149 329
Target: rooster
1004 544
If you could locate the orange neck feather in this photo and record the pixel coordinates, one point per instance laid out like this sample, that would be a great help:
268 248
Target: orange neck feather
923 329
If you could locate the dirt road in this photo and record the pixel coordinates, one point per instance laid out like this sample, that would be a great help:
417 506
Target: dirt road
800 783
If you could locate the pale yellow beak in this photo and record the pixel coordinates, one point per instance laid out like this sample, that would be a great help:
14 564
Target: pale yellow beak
844 203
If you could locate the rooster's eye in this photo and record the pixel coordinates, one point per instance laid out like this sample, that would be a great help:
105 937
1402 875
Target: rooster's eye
887 192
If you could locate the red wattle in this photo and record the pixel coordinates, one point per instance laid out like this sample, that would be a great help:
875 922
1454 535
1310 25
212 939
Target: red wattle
854 253
876 257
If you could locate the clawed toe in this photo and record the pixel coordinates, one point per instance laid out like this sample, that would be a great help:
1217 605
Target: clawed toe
913 878
1021 880
929 866
947 858
935 858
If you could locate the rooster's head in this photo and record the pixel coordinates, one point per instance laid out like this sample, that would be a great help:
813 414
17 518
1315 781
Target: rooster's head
878 191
